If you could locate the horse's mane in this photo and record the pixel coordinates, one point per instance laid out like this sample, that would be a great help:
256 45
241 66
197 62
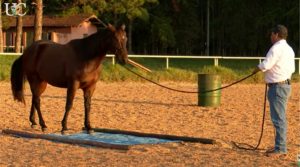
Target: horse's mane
91 46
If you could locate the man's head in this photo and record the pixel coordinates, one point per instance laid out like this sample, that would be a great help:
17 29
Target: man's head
278 32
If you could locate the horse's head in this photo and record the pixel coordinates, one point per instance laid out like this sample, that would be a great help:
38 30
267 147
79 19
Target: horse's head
118 46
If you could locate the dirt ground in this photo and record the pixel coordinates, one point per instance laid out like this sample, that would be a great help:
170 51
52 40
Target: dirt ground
144 107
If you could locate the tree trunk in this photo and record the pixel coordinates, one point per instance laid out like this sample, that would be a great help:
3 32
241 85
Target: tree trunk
19 31
1 32
130 37
175 6
38 20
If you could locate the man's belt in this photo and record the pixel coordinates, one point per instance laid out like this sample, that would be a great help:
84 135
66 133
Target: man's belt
288 81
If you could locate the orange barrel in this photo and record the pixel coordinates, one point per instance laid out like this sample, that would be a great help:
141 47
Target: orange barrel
209 82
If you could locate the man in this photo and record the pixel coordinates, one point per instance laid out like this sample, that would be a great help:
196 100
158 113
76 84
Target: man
278 67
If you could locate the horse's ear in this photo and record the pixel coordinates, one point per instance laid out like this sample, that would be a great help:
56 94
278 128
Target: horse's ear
123 27
111 28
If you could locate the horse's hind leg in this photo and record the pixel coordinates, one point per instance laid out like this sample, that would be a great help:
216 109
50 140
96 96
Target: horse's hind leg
32 114
37 88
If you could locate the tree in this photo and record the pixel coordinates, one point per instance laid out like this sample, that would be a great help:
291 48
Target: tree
19 27
72 7
131 10
38 20
173 29
1 32
179 26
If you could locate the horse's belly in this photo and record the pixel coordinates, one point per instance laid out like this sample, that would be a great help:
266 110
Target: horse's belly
56 81
58 84
54 78
53 73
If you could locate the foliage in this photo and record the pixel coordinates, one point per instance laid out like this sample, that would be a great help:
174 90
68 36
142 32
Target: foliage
237 28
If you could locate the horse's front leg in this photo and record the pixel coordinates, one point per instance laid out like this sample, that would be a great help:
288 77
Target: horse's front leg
88 93
71 91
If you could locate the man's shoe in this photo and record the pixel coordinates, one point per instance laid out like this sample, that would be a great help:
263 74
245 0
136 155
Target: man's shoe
270 150
275 154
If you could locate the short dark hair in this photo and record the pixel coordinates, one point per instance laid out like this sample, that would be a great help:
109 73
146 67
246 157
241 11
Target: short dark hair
281 30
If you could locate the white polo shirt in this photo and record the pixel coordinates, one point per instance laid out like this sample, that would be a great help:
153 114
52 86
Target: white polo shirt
279 63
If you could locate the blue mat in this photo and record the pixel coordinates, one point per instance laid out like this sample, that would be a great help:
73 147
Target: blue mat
119 139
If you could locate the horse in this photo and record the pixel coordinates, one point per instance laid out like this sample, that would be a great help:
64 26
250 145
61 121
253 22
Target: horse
75 65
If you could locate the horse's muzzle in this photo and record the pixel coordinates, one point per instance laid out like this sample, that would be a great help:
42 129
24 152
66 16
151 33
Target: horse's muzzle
122 61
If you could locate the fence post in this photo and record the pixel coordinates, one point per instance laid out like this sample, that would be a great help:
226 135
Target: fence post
167 62
216 61
113 60
299 66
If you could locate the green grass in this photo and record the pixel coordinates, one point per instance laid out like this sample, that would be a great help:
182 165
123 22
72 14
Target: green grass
5 66
181 70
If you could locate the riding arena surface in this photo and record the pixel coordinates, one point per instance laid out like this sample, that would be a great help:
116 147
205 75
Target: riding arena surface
144 107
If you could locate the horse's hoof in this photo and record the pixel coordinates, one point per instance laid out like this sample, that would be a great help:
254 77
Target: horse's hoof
65 132
44 129
34 126
90 131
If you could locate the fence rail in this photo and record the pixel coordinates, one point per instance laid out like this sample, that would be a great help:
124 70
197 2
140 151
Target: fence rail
168 57
215 58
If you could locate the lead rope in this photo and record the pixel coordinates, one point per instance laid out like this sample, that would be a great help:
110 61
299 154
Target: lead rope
249 147
183 91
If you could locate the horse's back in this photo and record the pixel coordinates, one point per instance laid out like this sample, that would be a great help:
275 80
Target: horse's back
49 61
36 51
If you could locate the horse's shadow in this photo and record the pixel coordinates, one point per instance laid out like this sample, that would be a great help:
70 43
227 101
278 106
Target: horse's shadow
115 101
122 101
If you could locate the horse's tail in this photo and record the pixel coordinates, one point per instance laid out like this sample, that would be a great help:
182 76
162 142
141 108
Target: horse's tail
17 79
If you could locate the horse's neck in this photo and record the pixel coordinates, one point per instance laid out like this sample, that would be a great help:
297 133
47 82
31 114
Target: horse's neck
92 47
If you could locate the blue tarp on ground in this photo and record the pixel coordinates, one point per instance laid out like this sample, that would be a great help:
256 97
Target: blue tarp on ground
119 139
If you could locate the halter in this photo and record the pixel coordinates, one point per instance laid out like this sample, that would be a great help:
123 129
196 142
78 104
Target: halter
120 46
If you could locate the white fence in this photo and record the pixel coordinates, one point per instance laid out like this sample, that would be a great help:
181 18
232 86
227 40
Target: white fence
168 57
11 49
215 58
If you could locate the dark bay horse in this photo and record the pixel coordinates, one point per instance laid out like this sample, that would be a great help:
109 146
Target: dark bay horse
74 65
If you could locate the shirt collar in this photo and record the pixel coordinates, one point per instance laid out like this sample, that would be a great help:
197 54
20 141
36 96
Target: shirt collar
280 41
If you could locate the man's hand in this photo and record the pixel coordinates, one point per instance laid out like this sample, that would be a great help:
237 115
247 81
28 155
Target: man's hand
256 70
